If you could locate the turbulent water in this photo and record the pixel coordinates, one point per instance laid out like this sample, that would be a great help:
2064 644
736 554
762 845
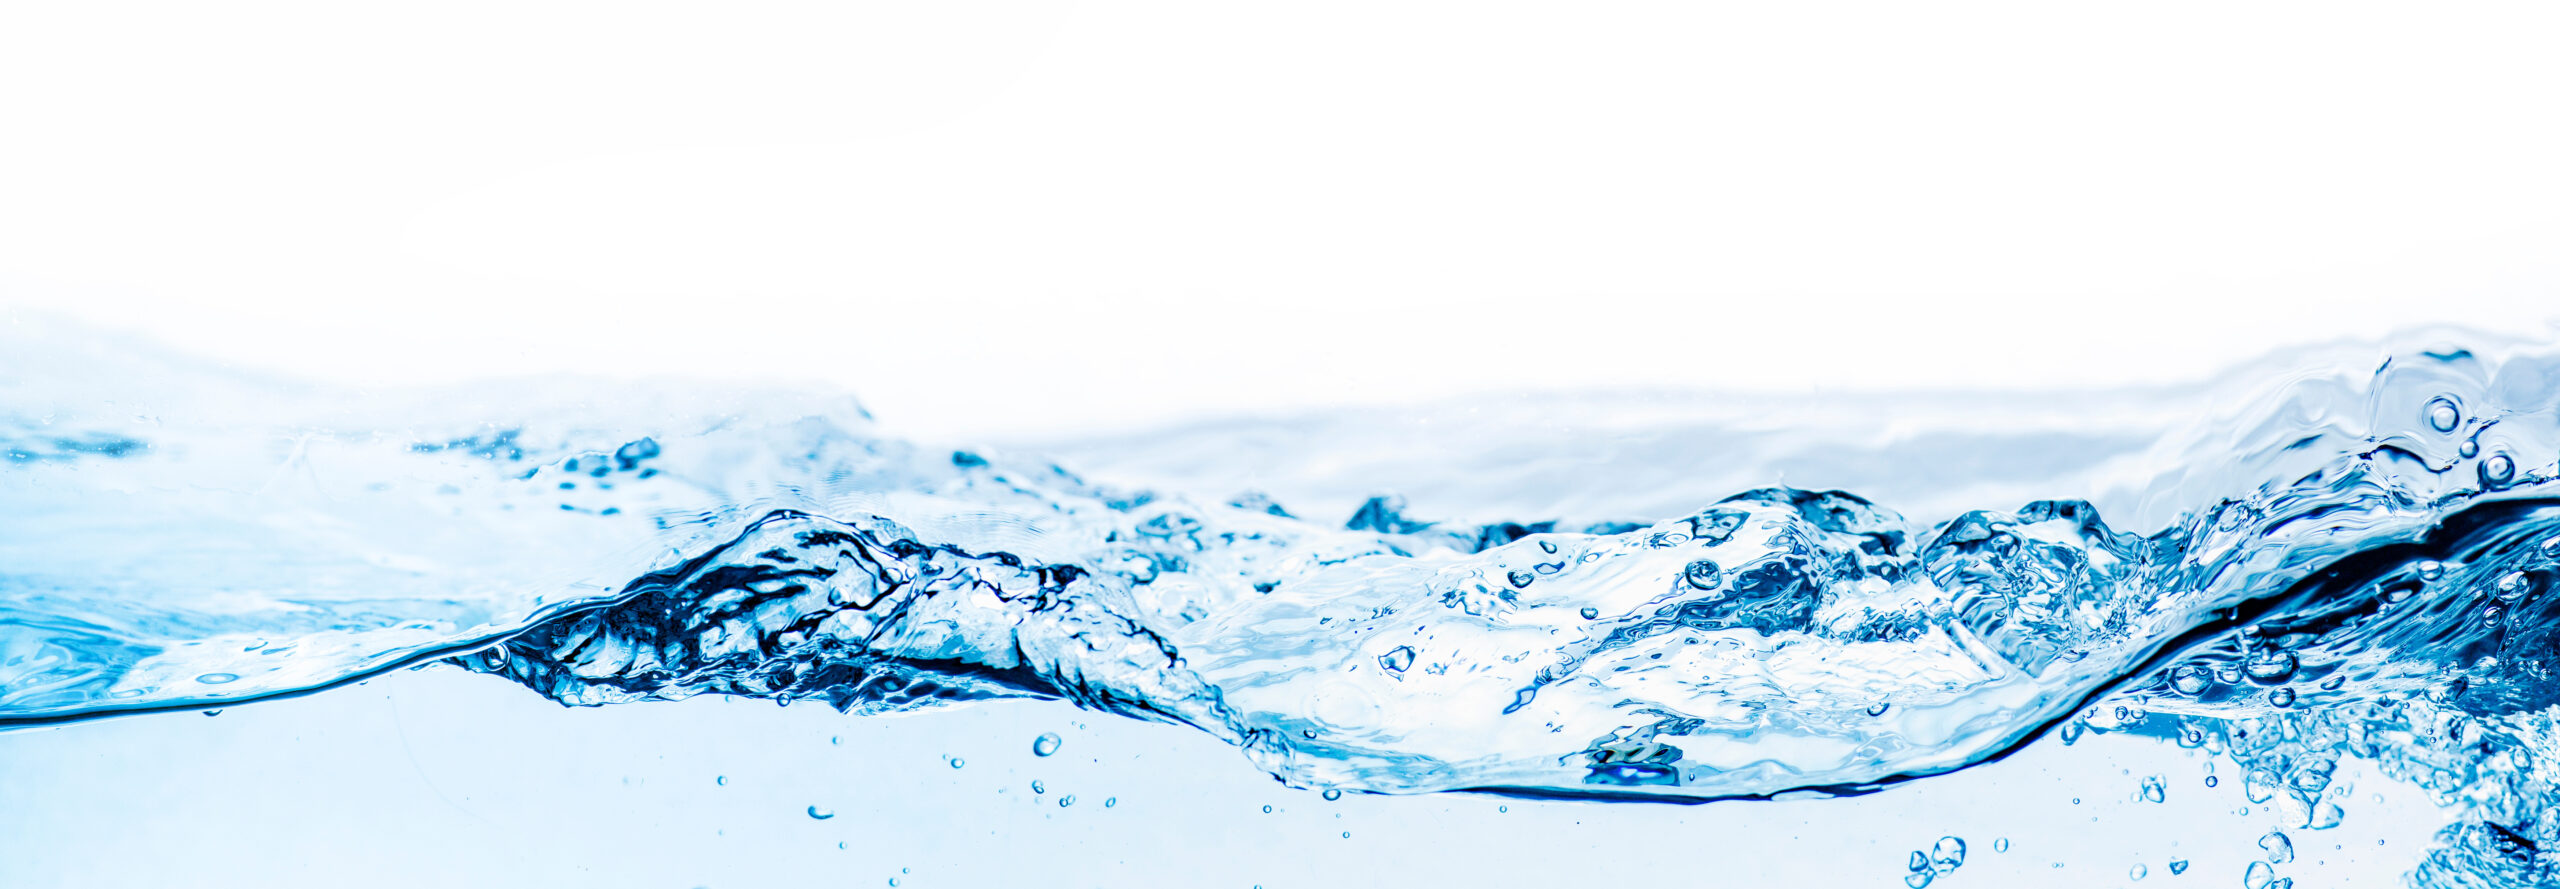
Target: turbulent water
2324 557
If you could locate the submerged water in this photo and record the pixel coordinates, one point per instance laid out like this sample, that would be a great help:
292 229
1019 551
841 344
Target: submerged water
2333 556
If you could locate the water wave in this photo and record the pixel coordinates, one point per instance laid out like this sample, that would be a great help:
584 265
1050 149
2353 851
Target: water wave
2314 562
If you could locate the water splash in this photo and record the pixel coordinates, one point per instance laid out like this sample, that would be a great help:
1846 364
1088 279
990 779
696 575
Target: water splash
2329 564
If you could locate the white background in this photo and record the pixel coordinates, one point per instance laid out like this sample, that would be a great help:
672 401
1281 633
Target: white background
1008 218
1004 217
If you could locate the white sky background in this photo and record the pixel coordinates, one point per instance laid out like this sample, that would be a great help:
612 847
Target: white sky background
993 218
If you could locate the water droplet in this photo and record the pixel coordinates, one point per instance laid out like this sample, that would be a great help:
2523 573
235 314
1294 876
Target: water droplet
821 814
2177 866
1046 744
217 678
1947 854
2211 781
2497 471
1346 834
2138 872
1590 614
957 762
1067 800
1266 810
1703 574
2071 732
2191 680
2000 845
2443 414
2280 697
1503 810
1331 794
1398 660
2258 877
1037 787
2431 570
1878 708
2279 847
722 780
1521 578
1109 801
2155 788
2469 448
837 740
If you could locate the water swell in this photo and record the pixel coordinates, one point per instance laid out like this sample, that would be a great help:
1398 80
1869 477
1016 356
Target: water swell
2335 564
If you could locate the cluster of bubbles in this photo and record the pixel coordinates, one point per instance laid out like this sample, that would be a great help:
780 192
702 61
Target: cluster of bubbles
1940 859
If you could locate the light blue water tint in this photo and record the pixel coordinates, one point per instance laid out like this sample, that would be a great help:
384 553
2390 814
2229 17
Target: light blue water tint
2321 565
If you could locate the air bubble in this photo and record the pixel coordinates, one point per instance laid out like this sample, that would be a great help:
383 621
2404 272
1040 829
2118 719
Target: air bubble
1332 793
2279 847
2431 570
2443 414
1878 708
2191 680
2000 845
1110 801
2280 697
1039 787
2272 667
2138 872
2177 866
1522 578
957 762
722 780
1590 614
2258 876
821 813
2497 471
1703 574
1067 800
217 678
2155 788
2513 585
2260 785
1947 854
1398 660
1046 744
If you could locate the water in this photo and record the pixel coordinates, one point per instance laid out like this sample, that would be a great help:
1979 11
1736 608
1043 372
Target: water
2310 566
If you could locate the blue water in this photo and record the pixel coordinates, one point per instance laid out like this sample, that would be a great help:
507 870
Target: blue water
2330 556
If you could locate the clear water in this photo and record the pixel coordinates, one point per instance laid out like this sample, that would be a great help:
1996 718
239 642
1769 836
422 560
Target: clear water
2328 564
